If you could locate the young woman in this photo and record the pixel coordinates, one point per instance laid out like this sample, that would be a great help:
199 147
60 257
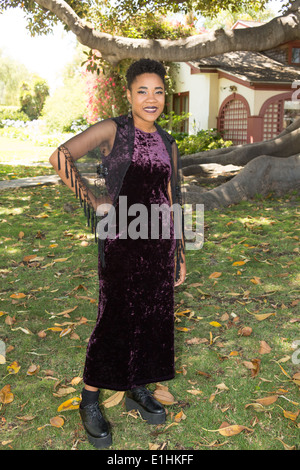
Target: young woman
132 343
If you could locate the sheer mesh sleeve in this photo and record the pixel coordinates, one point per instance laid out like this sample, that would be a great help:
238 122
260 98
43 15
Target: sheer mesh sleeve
82 162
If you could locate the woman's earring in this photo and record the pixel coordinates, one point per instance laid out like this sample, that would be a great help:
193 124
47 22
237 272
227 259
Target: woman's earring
130 113
162 116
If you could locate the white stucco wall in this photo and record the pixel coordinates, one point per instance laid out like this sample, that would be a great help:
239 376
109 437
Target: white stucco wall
198 87
207 93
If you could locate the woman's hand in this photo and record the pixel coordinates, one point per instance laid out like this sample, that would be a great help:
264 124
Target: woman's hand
182 274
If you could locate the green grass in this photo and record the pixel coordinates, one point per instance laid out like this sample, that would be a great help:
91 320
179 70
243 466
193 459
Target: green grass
263 232
13 149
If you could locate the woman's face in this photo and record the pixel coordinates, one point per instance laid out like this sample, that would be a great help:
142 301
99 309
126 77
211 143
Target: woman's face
147 98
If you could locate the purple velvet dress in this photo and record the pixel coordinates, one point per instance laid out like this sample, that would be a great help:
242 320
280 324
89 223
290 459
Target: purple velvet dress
133 341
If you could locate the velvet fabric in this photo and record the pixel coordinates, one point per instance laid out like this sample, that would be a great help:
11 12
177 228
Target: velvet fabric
133 340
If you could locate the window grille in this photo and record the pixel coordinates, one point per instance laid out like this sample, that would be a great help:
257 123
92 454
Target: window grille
233 123
273 119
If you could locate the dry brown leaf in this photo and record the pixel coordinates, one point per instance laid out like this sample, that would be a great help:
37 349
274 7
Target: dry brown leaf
41 334
263 316
291 415
63 391
256 280
113 400
245 331
267 400
76 380
257 407
286 446
233 430
196 341
33 369
179 417
194 392
215 275
164 397
6 396
20 295
253 365
264 348
57 421
296 378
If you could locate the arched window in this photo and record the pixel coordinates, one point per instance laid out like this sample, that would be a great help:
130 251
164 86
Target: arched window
233 119
277 113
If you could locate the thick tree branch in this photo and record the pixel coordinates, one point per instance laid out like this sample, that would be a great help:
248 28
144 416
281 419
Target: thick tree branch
277 31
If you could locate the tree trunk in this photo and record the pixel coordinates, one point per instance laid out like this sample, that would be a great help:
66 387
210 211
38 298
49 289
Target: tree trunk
284 145
262 175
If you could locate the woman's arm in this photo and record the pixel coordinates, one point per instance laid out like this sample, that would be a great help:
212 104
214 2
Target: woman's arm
101 136
62 173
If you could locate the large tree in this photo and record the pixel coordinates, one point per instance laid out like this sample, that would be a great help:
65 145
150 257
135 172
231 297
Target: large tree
268 166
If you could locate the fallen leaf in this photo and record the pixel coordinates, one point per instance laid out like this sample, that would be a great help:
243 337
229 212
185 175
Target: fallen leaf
196 341
179 417
291 415
33 369
215 275
256 280
194 392
263 316
245 331
63 391
267 400
264 348
13 368
76 380
6 396
113 400
286 446
233 430
164 397
215 323
71 404
18 296
57 421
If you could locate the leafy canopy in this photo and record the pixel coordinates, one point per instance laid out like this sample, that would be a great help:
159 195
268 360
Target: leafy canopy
41 21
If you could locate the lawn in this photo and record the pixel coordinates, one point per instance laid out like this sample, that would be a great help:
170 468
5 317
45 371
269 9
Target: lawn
237 327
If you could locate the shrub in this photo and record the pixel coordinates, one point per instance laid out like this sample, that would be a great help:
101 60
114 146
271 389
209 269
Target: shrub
200 142
11 114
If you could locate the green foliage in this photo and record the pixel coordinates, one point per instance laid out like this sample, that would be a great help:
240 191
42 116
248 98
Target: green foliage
11 113
12 73
33 96
66 105
41 21
203 140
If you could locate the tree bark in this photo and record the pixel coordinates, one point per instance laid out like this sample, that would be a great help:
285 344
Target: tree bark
284 145
113 49
262 175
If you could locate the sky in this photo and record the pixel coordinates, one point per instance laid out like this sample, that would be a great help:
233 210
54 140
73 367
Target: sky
44 55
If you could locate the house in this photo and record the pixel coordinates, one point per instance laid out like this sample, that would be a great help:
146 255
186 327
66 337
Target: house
248 96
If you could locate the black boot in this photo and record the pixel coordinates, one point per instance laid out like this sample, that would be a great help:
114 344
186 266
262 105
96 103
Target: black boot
141 399
96 427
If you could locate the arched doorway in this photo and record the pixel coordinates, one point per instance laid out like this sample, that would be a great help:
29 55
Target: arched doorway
233 119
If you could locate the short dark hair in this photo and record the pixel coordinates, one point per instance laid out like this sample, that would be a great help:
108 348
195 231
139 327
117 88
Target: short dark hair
144 66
